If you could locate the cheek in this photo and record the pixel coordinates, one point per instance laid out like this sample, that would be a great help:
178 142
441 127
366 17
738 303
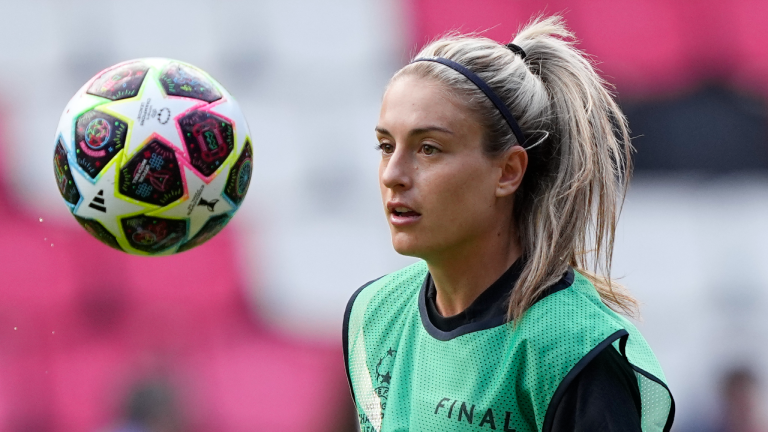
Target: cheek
463 197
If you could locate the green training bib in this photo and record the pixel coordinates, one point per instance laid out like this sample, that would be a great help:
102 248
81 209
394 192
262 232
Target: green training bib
405 375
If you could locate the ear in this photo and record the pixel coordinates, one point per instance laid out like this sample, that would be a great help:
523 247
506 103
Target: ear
513 165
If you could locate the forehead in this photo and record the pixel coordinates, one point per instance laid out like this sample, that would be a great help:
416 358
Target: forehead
412 102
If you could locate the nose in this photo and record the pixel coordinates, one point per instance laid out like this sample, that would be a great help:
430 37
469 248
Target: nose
395 172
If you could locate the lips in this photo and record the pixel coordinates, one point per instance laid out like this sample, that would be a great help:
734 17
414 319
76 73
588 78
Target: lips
401 214
404 212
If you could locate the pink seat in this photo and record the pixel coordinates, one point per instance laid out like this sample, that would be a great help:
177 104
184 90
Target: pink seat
92 322
646 48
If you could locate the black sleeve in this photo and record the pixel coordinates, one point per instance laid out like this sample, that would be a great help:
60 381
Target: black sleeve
604 397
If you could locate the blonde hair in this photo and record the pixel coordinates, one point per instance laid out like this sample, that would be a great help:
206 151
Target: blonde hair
578 146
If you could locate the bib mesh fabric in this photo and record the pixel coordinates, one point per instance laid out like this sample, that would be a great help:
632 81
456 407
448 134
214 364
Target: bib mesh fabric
502 378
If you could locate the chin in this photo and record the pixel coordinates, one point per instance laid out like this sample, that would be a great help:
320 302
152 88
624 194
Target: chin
408 244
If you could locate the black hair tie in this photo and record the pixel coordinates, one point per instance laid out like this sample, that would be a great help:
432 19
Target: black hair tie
517 50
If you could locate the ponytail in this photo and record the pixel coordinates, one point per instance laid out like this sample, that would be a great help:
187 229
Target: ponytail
569 204
578 146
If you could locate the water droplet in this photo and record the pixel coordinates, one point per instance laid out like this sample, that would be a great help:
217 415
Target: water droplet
51 244
15 328
45 238
41 219
53 332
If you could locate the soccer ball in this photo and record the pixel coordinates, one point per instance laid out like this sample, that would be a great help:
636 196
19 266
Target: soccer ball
153 156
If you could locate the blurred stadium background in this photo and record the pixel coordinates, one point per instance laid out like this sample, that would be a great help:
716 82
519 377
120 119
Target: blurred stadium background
242 334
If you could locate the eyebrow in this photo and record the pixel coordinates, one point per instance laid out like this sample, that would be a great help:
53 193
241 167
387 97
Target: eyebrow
417 131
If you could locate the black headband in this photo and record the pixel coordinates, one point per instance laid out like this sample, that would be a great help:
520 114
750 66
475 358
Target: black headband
485 89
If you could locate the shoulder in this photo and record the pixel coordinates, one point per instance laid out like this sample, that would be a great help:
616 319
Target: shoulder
576 318
569 309
393 290
636 347
400 285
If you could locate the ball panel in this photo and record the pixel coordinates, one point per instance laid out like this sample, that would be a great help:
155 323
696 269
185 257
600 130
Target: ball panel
98 138
152 234
101 202
97 230
240 176
201 202
120 82
209 140
78 105
64 179
183 80
230 110
152 175
210 229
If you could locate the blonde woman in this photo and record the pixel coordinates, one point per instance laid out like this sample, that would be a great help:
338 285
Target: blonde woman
503 167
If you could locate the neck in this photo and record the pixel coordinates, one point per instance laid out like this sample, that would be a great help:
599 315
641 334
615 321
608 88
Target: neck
463 273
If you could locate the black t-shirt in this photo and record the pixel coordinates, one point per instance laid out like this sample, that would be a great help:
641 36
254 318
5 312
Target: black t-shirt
604 396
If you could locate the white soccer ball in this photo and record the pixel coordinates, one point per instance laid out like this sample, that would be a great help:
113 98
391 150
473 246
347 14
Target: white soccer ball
153 156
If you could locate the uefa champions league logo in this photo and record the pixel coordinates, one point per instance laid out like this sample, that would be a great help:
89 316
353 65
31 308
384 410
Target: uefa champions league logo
384 377
147 111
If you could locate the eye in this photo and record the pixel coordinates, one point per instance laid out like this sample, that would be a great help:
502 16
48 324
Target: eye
386 147
429 150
